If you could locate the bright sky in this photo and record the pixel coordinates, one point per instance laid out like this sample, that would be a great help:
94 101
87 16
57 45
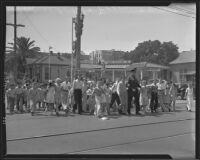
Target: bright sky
119 28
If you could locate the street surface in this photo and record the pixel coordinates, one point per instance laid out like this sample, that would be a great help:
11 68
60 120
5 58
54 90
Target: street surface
159 133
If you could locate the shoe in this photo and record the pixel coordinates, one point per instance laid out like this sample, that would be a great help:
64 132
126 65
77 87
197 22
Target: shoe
138 114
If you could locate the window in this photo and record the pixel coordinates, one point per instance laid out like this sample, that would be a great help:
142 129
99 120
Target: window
182 75
46 73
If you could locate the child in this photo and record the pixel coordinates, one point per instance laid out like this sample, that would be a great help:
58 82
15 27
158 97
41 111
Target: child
57 95
98 94
65 88
154 97
84 95
32 98
91 99
167 99
173 93
144 96
122 92
10 94
108 93
189 97
50 99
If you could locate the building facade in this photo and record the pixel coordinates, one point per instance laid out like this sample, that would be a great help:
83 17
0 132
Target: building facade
184 68
99 56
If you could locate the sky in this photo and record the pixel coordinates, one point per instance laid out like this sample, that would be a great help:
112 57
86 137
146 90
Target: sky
105 28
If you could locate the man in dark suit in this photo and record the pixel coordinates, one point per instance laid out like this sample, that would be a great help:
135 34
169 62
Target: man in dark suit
133 86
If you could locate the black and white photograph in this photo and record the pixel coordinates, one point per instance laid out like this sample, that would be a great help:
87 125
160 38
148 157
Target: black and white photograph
101 80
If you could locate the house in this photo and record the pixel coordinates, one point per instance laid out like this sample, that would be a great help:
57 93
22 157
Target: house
184 67
150 71
48 67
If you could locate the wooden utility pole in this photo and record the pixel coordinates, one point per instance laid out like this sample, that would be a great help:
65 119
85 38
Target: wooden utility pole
78 29
15 25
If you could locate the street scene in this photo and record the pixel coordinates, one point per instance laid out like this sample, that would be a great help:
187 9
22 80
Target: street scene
94 80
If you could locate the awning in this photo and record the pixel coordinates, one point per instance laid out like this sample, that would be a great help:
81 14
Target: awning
189 73
143 65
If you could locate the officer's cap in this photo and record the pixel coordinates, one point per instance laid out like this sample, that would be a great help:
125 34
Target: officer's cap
133 70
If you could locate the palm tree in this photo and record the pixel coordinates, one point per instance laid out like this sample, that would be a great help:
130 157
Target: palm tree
16 64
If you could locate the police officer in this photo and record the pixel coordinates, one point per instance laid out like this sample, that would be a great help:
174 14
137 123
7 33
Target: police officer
133 91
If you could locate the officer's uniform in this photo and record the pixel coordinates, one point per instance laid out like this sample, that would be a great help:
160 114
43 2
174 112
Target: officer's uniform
133 86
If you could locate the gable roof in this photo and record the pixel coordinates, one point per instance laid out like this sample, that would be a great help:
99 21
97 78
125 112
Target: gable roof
52 59
185 57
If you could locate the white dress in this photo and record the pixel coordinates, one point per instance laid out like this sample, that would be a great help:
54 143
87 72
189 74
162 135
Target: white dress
189 92
50 95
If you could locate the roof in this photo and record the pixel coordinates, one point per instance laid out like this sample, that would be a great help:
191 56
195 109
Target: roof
30 60
146 65
52 59
185 57
90 66
117 66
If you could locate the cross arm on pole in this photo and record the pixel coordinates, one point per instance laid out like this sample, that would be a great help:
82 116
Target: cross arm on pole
18 25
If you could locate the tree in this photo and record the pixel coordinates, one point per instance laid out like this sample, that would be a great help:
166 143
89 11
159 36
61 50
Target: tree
154 52
16 63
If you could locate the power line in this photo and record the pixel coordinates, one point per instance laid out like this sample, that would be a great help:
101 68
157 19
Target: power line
192 11
38 31
182 10
173 12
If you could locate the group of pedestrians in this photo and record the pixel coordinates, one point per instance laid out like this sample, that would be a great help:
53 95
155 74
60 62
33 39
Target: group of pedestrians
99 98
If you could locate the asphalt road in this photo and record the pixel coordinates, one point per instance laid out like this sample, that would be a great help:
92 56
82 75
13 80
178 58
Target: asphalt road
164 133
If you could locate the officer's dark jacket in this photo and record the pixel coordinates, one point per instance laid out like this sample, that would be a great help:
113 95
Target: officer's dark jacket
133 84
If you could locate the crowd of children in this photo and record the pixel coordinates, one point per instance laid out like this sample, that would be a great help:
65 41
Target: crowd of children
98 98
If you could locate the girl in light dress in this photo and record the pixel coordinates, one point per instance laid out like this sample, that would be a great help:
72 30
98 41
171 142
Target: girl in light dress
144 96
189 97
65 89
122 92
99 95
50 97
58 95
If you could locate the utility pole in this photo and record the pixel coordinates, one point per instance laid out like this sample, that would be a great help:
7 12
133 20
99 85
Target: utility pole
73 48
78 29
15 25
